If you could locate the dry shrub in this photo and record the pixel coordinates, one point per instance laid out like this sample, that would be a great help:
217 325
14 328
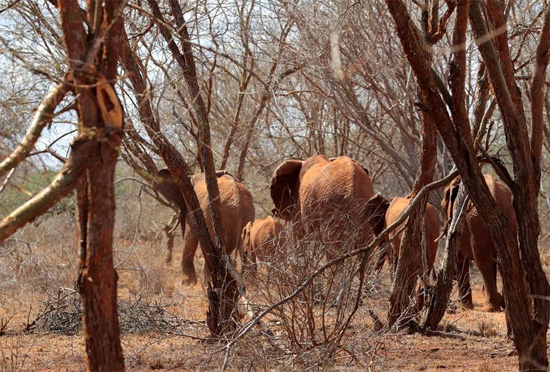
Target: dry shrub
13 355
487 367
315 326
40 257
141 268
62 314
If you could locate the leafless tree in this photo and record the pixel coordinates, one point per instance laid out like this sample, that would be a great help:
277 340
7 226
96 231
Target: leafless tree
92 63
525 284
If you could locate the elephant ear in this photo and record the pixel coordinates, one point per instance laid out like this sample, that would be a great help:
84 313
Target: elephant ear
245 246
376 212
169 189
245 235
284 188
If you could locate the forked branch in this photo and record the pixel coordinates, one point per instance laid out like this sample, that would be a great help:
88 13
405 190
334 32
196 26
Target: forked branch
43 116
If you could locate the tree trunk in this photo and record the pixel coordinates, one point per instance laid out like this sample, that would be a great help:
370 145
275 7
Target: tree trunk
92 61
411 251
222 292
97 277
440 299
525 286
408 270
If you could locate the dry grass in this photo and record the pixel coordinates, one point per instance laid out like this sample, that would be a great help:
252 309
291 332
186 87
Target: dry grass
168 317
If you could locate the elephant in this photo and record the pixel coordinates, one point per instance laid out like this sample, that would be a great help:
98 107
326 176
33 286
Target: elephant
237 209
262 240
388 213
325 196
475 242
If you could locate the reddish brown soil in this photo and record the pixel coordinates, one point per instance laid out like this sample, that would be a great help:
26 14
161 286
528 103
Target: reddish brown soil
366 350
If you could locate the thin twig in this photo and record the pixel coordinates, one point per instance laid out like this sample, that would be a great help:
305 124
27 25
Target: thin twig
426 189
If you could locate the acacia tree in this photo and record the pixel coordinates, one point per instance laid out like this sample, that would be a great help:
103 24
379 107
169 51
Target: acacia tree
223 290
90 37
526 288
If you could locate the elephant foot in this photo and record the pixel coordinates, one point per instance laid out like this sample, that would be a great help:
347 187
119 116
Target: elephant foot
495 306
189 279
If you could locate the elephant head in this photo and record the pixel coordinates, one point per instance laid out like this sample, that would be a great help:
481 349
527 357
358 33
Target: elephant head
170 190
285 184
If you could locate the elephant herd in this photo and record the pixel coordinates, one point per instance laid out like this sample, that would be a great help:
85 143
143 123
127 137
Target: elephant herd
332 200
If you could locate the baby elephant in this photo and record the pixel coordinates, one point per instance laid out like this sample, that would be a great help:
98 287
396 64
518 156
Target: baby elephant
384 213
262 240
475 242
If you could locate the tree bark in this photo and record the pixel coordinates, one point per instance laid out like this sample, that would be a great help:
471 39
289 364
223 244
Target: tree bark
527 315
99 112
445 276
459 113
222 292
411 251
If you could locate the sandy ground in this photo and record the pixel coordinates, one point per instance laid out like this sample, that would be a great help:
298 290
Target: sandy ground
480 346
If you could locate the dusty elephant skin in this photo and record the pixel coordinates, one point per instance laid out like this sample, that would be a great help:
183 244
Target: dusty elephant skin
326 196
262 241
388 213
475 243
237 209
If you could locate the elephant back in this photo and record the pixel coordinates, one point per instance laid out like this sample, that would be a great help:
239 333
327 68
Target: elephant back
266 236
237 208
334 186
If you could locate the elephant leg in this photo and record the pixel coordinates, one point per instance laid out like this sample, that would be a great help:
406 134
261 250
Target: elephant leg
169 245
464 289
382 255
187 260
488 269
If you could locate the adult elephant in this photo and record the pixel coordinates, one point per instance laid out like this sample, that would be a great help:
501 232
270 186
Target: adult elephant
262 240
327 198
237 209
388 213
475 242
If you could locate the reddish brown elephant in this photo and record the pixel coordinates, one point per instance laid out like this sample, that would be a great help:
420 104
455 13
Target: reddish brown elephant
388 213
262 240
326 196
475 242
237 209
